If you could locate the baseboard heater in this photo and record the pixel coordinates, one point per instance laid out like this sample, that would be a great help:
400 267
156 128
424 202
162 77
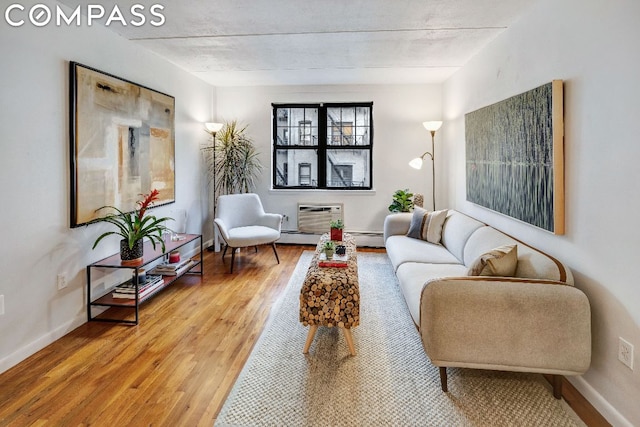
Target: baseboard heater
316 218
372 239
353 233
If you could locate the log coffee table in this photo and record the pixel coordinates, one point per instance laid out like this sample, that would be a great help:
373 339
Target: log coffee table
330 296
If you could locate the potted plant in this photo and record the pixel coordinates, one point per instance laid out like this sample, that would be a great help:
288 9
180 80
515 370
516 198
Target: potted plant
336 230
401 201
329 248
133 227
234 166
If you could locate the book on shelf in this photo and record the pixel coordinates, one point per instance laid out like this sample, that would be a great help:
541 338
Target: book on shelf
176 265
130 293
128 286
128 289
173 269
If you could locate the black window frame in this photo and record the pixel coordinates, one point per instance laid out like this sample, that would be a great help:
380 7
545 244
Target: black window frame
322 145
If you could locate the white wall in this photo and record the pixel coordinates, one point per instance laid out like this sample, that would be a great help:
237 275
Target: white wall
34 170
398 113
593 47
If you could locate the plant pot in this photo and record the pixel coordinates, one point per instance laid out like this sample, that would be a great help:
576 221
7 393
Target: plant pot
336 234
328 253
131 255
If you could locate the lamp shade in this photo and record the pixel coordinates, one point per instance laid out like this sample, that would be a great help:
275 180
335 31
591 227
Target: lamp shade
432 126
213 127
416 163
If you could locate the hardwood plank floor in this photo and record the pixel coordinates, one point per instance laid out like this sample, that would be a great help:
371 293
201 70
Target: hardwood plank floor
175 368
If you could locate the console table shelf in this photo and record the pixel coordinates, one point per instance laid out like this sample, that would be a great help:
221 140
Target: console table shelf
150 256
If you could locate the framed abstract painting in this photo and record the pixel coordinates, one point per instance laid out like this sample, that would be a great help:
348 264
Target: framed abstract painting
122 143
515 157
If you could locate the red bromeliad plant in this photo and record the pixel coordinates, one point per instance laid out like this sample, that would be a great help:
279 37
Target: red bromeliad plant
134 226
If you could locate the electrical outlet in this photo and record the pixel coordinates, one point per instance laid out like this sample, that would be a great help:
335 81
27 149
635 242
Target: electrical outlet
1 305
62 281
625 352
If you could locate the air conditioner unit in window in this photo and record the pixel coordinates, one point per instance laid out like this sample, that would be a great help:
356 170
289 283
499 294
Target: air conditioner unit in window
317 217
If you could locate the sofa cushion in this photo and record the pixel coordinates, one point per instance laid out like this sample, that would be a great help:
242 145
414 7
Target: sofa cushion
501 261
413 276
532 264
427 225
403 249
456 231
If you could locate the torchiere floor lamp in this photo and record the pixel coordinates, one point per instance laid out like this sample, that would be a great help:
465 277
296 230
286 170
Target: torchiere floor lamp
431 126
212 129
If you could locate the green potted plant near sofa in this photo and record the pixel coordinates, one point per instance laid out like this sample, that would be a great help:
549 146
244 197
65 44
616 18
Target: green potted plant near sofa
133 227
402 201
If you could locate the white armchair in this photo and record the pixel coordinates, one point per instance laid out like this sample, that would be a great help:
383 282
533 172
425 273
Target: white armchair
242 222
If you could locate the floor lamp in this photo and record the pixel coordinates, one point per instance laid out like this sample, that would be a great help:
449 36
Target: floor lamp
431 126
212 129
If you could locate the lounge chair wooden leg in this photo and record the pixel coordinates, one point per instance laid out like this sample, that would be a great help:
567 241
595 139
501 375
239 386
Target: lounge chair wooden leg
443 379
273 245
233 258
224 252
557 386
256 249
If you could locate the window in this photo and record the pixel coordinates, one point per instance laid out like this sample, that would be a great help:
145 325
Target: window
304 174
343 176
305 132
329 145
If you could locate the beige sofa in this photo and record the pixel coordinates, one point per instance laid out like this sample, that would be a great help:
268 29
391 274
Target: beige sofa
536 321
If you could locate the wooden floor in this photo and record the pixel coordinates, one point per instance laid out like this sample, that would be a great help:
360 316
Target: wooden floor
174 369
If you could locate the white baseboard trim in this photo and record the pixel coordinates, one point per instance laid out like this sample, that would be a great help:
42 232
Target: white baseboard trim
605 409
21 354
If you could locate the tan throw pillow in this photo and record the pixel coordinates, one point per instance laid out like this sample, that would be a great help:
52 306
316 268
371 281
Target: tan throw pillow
501 261
427 225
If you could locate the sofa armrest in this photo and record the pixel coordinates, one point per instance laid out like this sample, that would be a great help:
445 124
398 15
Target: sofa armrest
397 223
506 323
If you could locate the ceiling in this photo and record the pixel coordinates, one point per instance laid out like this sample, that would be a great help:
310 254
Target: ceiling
288 42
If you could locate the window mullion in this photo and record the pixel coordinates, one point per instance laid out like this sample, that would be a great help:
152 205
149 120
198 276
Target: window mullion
322 146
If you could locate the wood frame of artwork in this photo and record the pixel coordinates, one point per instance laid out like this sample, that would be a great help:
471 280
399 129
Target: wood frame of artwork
515 157
122 143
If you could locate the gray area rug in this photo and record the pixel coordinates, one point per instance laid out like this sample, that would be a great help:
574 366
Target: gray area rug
390 381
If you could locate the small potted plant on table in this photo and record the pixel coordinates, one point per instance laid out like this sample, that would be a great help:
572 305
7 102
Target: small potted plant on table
328 248
336 230
133 227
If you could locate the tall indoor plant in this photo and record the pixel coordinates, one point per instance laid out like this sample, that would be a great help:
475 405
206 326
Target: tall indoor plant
133 227
236 167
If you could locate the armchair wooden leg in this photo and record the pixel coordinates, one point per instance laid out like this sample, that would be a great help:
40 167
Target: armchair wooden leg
233 258
443 379
224 252
273 245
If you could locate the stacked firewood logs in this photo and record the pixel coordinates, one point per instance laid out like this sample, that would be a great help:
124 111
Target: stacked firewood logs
330 295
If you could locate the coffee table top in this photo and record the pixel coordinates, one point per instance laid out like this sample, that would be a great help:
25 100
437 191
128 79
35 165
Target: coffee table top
330 296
